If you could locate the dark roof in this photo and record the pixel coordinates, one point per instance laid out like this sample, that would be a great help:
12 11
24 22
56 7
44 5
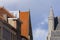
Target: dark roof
58 25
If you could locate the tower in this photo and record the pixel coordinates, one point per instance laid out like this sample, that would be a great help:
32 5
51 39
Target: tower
50 23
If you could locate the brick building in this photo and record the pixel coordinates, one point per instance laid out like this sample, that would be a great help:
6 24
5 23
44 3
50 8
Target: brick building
13 28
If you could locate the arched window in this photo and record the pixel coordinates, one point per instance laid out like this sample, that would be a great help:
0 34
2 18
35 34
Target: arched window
24 38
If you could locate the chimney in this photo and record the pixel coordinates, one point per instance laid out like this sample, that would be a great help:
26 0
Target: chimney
5 17
12 22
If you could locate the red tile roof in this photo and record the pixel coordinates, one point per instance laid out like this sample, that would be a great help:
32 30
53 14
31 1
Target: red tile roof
4 11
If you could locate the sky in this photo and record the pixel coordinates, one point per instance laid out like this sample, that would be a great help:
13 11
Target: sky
39 10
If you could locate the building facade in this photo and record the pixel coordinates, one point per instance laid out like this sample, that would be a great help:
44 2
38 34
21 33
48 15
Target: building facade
54 26
7 32
13 28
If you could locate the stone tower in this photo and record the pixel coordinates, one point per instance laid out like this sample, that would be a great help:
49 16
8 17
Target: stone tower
54 26
50 22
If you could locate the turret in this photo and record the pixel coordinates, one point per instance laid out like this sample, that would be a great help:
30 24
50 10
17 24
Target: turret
50 23
51 20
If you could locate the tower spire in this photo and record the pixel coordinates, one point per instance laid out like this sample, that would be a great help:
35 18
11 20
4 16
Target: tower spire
50 23
51 12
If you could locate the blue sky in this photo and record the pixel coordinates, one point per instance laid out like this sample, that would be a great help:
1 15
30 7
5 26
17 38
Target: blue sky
39 13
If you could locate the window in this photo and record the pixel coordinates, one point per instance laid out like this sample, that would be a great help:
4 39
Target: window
13 36
23 39
6 34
